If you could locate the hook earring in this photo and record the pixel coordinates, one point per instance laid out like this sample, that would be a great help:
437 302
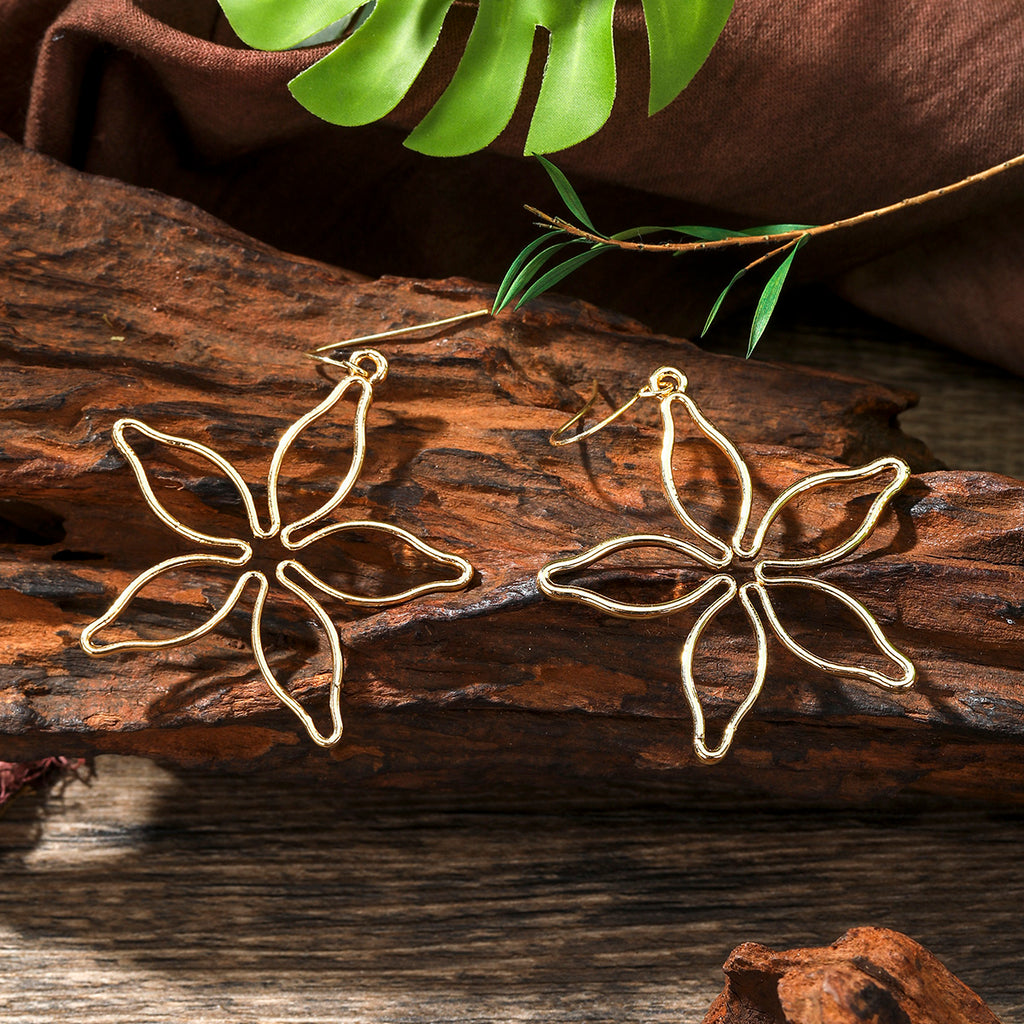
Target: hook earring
668 385
365 369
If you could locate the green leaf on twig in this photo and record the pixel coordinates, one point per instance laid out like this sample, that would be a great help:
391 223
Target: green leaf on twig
556 274
501 296
721 298
567 192
770 296
523 270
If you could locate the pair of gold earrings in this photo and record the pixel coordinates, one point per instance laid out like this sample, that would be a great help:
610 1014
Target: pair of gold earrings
368 367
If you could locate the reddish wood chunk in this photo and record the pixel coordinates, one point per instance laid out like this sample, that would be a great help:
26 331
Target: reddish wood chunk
869 976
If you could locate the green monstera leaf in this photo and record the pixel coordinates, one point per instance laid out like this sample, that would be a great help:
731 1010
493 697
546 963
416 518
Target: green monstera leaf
368 73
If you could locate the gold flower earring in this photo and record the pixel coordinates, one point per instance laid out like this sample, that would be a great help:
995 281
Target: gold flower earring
364 369
668 385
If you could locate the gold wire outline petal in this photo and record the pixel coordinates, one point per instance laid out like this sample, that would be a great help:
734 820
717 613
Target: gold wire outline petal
724 445
908 673
337 659
620 609
365 380
140 581
438 586
708 754
123 446
823 479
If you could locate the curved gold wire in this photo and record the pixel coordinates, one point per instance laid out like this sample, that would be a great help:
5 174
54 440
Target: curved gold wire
127 595
711 754
365 368
123 446
561 592
666 380
908 673
398 331
337 660
720 441
465 570
669 386
901 474
558 441
355 468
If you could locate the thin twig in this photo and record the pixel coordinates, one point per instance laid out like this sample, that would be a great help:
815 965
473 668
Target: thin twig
558 224
774 252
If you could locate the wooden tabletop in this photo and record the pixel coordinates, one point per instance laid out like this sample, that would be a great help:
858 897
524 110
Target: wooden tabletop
151 896
155 896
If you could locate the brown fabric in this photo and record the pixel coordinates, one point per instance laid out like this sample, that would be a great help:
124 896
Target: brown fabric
804 112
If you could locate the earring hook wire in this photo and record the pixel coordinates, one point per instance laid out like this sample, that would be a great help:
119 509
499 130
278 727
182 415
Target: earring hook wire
664 381
397 332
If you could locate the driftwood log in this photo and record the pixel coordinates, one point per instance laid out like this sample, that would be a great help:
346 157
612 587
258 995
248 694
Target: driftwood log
869 975
120 302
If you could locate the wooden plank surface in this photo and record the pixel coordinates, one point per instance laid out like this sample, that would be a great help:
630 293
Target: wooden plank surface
155 897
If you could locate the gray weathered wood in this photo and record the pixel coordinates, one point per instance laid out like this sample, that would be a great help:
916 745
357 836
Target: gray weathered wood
151 896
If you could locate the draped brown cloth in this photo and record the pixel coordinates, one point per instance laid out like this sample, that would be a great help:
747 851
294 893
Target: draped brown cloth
805 112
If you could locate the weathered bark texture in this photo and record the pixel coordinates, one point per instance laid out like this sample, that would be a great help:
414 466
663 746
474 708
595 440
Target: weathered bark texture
869 975
120 302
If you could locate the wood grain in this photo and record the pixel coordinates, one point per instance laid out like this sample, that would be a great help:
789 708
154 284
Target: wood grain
118 301
152 895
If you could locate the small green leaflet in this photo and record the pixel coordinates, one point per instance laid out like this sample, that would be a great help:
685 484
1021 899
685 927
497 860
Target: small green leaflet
710 234
770 296
502 294
556 274
521 272
567 192
721 298
368 73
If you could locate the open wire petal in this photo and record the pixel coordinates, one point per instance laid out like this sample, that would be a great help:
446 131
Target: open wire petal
905 674
365 388
901 473
113 613
222 464
337 661
720 441
464 571
622 609
704 752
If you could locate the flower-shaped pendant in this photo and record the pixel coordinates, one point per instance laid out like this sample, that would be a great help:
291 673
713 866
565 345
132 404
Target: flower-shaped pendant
769 574
290 573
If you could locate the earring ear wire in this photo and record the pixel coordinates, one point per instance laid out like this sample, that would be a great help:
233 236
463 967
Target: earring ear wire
317 353
665 381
